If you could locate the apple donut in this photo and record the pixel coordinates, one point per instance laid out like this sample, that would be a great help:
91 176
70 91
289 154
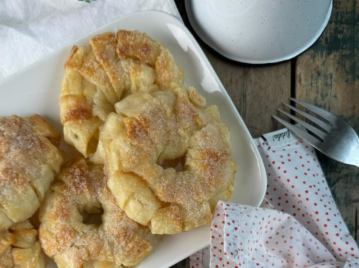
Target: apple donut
101 74
146 139
70 241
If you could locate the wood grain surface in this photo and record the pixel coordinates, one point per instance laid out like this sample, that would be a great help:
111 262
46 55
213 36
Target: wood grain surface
326 75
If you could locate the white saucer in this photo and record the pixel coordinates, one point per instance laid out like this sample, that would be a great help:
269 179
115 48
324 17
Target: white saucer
259 31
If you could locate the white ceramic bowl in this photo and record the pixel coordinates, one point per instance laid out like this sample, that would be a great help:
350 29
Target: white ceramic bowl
259 31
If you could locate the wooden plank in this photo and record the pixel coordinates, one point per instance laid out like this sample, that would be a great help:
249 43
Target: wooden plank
182 264
327 75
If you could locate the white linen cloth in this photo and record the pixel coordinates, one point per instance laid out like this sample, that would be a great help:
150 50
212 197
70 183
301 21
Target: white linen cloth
29 29
297 225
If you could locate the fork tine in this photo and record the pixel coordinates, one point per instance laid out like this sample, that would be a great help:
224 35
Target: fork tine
299 132
326 115
310 117
311 128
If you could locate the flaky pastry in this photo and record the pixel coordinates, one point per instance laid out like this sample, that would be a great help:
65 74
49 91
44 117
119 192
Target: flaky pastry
29 159
142 144
70 241
20 248
101 74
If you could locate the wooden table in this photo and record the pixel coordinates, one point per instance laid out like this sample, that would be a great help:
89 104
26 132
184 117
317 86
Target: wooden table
326 75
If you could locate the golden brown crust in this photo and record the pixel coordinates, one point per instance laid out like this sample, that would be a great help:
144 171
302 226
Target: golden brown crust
94 72
70 63
170 75
167 220
161 129
43 128
29 159
138 45
83 188
196 98
19 247
84 99
104 47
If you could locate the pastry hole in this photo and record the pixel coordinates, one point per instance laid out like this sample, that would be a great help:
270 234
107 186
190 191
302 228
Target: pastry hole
93 217
176 163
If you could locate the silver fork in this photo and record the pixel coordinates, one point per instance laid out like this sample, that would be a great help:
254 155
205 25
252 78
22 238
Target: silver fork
335 138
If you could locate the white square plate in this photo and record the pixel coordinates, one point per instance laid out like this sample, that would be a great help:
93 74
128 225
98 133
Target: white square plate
36 89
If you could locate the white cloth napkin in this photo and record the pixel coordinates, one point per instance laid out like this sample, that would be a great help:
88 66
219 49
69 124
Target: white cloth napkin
297 225
30 29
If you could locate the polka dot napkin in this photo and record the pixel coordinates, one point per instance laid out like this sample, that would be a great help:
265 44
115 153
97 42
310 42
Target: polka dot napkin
297 225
